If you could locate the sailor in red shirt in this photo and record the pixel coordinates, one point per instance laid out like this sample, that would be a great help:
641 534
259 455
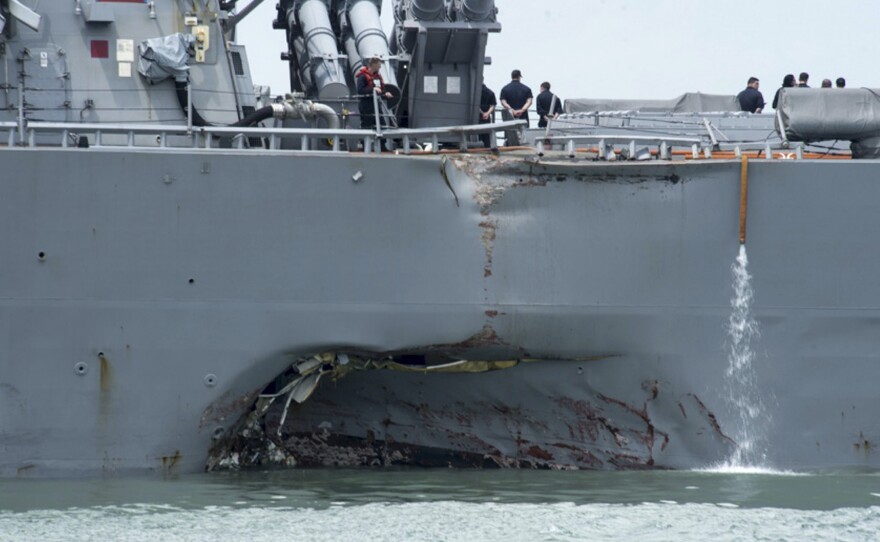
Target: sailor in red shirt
369 81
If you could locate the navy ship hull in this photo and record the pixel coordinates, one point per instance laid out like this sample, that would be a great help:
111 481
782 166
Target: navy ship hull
144 308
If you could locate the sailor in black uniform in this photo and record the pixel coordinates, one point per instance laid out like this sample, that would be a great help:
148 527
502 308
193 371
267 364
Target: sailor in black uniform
751 99
516 98
547 106
487 112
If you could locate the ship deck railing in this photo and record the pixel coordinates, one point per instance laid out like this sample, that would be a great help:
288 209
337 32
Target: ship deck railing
636 147
34 134
181 138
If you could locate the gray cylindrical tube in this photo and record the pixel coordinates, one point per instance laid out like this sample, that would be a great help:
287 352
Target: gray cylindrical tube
370 40
327 113
354 58
428 10
477 10
818 115
349 46
298 48
302 58
320 46
242 13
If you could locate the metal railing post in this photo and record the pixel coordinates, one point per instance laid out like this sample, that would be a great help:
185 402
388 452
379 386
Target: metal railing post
780 127
164 136
21 117
550 116
189 107
376 112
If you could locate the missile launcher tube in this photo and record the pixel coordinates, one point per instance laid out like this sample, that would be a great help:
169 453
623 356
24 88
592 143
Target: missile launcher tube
369 39
478 10
428 10
318 45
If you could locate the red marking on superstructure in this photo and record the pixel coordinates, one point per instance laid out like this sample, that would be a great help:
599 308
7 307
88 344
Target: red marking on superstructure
100 49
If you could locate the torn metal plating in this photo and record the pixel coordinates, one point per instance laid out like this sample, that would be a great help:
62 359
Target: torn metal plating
560 426
405 417
248 443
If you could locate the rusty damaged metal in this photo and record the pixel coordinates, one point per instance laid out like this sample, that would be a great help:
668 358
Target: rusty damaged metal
226 407
863 444
602 432
713 420
493 176
106 376
490 228
171 461
484 344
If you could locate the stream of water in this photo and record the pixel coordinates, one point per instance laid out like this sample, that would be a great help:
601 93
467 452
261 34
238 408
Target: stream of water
744 395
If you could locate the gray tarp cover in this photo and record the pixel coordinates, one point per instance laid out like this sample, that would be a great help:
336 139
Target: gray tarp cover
161 58
691 102
814 114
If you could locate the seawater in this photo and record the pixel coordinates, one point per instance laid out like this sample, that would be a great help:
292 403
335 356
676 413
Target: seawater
453 505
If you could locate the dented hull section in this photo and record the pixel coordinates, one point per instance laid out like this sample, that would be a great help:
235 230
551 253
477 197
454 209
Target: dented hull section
146 312
537 414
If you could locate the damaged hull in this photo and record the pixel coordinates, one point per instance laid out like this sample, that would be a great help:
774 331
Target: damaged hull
516 418
144 310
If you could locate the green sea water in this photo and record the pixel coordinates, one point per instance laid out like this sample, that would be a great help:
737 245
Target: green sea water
416 504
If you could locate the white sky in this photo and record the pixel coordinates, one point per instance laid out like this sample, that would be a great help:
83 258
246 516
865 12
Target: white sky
648 48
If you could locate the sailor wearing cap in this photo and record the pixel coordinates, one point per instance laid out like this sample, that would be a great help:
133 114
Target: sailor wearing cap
516 98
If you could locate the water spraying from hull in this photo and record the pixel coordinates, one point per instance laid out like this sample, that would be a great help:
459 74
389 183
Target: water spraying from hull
743 393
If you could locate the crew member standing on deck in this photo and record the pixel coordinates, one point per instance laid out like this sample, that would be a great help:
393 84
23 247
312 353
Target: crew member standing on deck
787 82
487 112
548 105
803 80
516 98
369 82
751 99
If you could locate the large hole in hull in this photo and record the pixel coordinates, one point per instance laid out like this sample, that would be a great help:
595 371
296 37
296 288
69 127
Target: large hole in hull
252 442
475 407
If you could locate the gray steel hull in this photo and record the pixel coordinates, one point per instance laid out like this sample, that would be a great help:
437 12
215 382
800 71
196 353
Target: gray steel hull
173 286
